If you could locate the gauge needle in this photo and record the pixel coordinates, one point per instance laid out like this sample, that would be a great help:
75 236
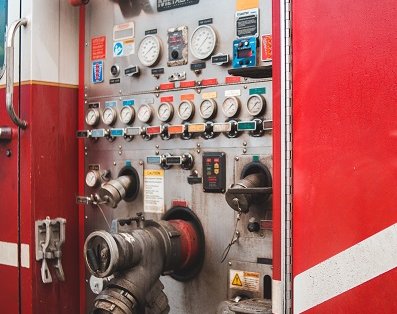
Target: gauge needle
206 109
148 50
202 43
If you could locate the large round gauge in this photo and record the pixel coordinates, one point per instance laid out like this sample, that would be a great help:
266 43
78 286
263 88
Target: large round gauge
165 111
203 42
149 50
92 117
145 113
186 110
127 114
109 116
256 105
231 106
208 109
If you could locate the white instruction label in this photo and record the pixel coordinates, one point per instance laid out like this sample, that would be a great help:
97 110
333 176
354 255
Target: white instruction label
233 93
244 280
154 191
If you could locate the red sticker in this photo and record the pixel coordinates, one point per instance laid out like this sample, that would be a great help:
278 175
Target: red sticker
232 79
167 99
98 48
166 86
266 47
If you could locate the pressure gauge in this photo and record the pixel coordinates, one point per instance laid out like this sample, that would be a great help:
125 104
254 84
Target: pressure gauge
186 110
208 109
127 114
109 116
231 106
93 178
145 113
202 42
92 117
165 111
256 105
149 50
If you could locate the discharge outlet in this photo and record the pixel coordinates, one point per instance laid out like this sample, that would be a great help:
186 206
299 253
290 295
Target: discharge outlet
137 258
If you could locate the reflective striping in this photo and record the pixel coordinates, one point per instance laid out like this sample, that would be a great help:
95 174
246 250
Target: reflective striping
25 256
358 264
9 254
277 297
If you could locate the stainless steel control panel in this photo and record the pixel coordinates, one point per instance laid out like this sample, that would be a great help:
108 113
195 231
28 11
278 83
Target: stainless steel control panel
166 98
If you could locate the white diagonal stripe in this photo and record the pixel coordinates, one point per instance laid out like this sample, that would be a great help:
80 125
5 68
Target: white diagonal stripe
358 264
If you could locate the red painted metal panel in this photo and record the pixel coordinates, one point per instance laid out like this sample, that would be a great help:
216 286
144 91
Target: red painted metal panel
276 143
48 188
81 158
9 209
344 137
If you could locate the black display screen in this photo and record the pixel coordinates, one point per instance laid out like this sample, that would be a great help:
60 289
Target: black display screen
244 53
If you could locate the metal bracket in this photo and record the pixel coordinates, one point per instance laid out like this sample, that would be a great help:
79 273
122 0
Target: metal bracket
50 236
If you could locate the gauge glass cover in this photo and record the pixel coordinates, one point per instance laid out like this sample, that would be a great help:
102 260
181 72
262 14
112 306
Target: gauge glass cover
255 105
186 110
208 108
149 50
145 113
108 116
203 42
127 114
165 111
230 107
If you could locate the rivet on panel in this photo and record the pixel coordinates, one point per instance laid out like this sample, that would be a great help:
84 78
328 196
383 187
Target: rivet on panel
230 263
157 146
198 145
244 143
198 151
114 163
236 158
244 150
120 152
157 152
140 162
245 86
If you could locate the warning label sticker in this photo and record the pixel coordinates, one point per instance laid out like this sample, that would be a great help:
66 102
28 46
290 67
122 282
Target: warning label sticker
154 191
266 49
244 280
247 23
98 48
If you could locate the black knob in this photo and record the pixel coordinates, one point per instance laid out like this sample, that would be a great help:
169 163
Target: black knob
253 226
174 54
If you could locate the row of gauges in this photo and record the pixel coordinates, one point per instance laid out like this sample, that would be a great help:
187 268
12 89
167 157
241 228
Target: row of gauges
256 105
202 45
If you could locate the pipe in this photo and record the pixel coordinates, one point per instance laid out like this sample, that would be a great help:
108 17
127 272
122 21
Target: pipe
137 259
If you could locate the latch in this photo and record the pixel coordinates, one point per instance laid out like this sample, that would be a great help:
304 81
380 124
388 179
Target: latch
50 236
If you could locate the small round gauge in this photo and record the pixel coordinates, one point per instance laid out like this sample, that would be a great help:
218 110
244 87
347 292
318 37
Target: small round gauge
186 110
92 178
256 105
208 109
127 114
203 42
165 111
109 116
149 50
92 117
231 106
145 113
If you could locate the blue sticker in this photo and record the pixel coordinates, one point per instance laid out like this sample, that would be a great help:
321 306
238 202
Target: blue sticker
97 72
118 49
110 104
128 102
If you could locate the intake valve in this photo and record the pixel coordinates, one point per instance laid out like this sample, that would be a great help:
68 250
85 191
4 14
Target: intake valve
136 258
254 187
125 187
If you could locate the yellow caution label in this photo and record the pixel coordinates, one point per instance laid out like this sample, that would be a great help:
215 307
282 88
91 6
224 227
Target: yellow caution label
154 173
237 281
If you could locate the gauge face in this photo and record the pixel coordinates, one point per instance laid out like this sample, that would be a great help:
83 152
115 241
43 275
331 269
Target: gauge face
231 107
165 111
127 114
256 105
145 113
92 117
202 42
186 110
208 109
149 50
109 116
92 179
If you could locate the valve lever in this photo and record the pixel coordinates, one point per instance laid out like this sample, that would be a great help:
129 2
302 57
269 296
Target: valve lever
45 272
